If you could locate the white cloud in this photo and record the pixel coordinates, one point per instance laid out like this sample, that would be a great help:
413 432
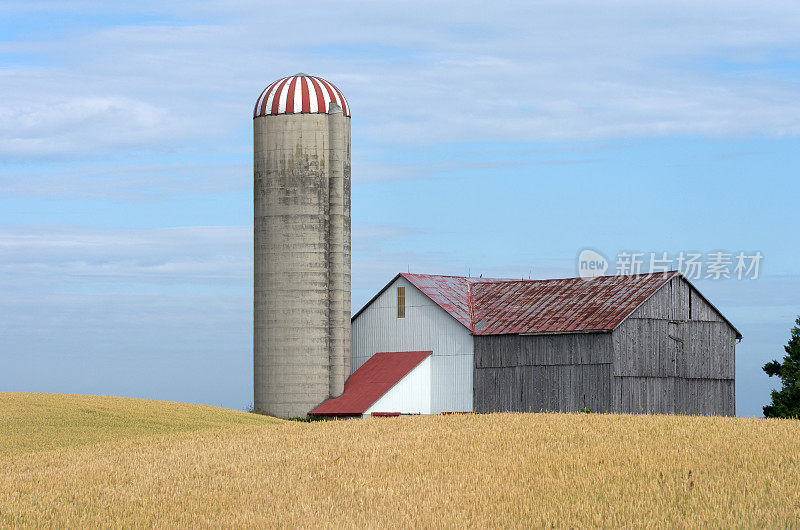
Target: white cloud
128 182
417 74
58 125
40 257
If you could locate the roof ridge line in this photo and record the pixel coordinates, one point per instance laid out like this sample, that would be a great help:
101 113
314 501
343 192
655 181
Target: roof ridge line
478 279
504 280
439 275
471 307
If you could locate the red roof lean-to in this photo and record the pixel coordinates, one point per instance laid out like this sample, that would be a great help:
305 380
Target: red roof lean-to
489 306
299 94
371 381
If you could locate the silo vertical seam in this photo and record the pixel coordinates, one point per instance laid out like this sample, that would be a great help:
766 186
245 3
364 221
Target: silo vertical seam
336 244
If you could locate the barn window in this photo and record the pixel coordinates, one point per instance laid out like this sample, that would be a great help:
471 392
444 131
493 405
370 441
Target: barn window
401 302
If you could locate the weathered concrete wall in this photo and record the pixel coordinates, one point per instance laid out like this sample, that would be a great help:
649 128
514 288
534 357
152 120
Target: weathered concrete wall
339 249
302 260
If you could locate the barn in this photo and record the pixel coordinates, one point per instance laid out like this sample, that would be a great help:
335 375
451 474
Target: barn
428 344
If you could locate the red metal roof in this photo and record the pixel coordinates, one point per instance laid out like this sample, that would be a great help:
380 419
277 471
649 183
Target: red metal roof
299 94
371 381
451 293
559 306
488 306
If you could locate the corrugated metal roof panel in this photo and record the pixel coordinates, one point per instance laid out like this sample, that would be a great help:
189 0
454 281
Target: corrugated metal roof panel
496 306
451 293
560 306
371 381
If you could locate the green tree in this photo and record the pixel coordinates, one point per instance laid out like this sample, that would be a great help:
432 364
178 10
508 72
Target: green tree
786 400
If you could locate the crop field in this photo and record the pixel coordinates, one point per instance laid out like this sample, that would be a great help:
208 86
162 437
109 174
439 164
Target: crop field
232 469
38 422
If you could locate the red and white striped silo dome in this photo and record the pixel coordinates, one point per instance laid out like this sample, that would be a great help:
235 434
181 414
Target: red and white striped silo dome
299 94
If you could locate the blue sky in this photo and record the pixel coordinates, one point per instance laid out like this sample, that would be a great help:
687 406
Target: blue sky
500 139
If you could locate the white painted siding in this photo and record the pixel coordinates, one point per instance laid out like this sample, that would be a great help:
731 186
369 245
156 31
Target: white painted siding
426 327
451 382
411 395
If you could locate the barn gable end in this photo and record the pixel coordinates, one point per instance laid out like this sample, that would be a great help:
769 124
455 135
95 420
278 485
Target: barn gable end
675 354
425 327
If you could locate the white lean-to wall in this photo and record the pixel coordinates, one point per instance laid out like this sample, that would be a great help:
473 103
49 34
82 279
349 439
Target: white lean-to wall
426 327
411 395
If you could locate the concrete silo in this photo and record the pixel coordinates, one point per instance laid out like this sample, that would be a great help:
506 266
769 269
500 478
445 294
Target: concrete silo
302 245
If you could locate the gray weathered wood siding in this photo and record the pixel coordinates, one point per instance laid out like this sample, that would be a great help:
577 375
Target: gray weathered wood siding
533 373
674 354
674 395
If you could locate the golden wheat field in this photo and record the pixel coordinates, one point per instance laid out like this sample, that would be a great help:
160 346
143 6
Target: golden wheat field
38 422
232 469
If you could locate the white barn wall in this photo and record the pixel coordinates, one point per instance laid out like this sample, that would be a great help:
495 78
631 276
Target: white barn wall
411 395
425 327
